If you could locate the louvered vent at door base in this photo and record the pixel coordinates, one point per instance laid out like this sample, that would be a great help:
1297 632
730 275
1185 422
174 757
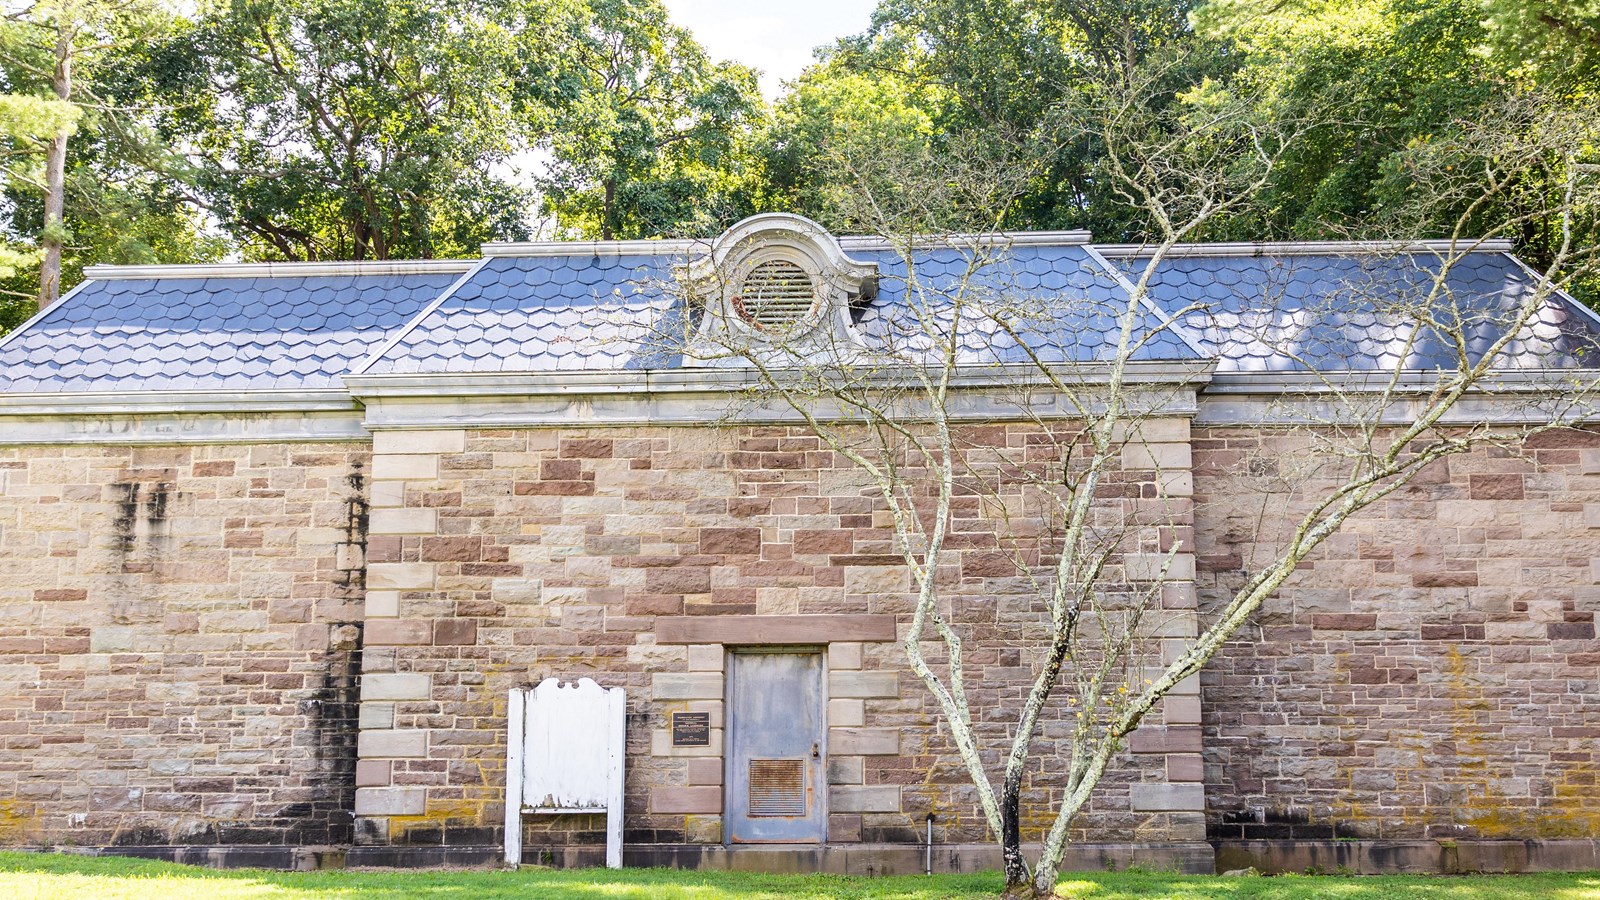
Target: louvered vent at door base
776 295
777 787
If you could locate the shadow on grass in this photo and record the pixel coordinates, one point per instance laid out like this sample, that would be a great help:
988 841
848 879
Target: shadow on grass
46 876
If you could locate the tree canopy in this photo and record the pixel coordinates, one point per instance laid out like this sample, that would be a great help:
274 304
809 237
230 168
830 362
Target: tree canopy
350 129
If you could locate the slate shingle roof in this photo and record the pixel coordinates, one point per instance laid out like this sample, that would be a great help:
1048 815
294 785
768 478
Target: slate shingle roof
231 333
1057 302
1364 312
546 314
587 312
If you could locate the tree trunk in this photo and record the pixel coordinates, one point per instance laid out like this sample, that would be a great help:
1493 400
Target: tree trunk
607 231
55 192
1016 868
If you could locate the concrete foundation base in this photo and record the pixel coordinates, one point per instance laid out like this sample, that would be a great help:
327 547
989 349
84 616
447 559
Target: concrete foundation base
293 859
1448 857
838 859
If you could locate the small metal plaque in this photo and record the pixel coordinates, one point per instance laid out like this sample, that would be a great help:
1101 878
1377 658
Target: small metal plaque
691 729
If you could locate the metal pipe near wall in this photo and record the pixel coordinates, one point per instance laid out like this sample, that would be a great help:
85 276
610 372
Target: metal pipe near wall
927 853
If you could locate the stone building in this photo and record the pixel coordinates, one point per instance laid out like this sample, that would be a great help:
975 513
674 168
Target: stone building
276 541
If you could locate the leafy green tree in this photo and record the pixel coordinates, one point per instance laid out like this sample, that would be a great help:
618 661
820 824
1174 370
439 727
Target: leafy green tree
1554 41
344 129
1014 69
649 135
27 124
1387 73
58 49
831 117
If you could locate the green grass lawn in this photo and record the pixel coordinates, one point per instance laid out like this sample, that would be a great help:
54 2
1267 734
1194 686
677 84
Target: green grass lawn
28 876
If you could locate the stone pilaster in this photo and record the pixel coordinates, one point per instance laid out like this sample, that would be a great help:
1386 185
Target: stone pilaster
1172 808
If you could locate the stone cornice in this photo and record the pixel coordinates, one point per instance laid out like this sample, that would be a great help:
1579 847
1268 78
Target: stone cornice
1527 397
180 417
709 396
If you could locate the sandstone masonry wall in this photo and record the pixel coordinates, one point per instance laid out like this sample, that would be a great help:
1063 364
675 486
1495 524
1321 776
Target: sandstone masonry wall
1433 672
179 634
500 558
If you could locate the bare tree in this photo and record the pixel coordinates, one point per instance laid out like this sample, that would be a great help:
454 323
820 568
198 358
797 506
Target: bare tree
912 391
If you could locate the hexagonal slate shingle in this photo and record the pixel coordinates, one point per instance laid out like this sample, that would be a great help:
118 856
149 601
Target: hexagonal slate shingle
588 312
544 314
276 332
1366 312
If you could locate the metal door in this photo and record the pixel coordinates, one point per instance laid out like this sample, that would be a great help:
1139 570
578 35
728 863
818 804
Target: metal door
775 789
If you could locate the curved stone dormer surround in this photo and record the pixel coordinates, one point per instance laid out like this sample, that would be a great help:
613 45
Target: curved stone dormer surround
777 283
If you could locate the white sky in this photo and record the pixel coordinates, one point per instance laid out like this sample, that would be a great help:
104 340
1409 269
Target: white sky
775 38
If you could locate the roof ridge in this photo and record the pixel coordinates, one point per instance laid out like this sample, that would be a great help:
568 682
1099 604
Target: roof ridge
280 269
1306 248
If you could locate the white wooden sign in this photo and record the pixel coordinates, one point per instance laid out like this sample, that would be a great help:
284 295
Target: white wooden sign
565 755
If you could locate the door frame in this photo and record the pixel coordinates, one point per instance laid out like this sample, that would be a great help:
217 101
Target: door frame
820 651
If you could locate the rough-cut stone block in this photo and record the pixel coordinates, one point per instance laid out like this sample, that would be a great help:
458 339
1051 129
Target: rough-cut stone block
678 580
1174 430
1165 739
864 798
706 657
391 801
455 632
396 686
112 639
400 576
1344 622
844 829
1166 457
877 580
386 744
736 541
382 604
686 686
680 800
846 770
399 632
376 715
864 741
1167 797
1175 484
387 493
405 467
863 684
1180 710
1496 487
1183 767
410 442
373 773
1178 595
1149 567
847 713
844 655
705 771
757 630
403 520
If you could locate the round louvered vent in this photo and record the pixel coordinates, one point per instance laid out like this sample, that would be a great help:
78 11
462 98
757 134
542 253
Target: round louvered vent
776 295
